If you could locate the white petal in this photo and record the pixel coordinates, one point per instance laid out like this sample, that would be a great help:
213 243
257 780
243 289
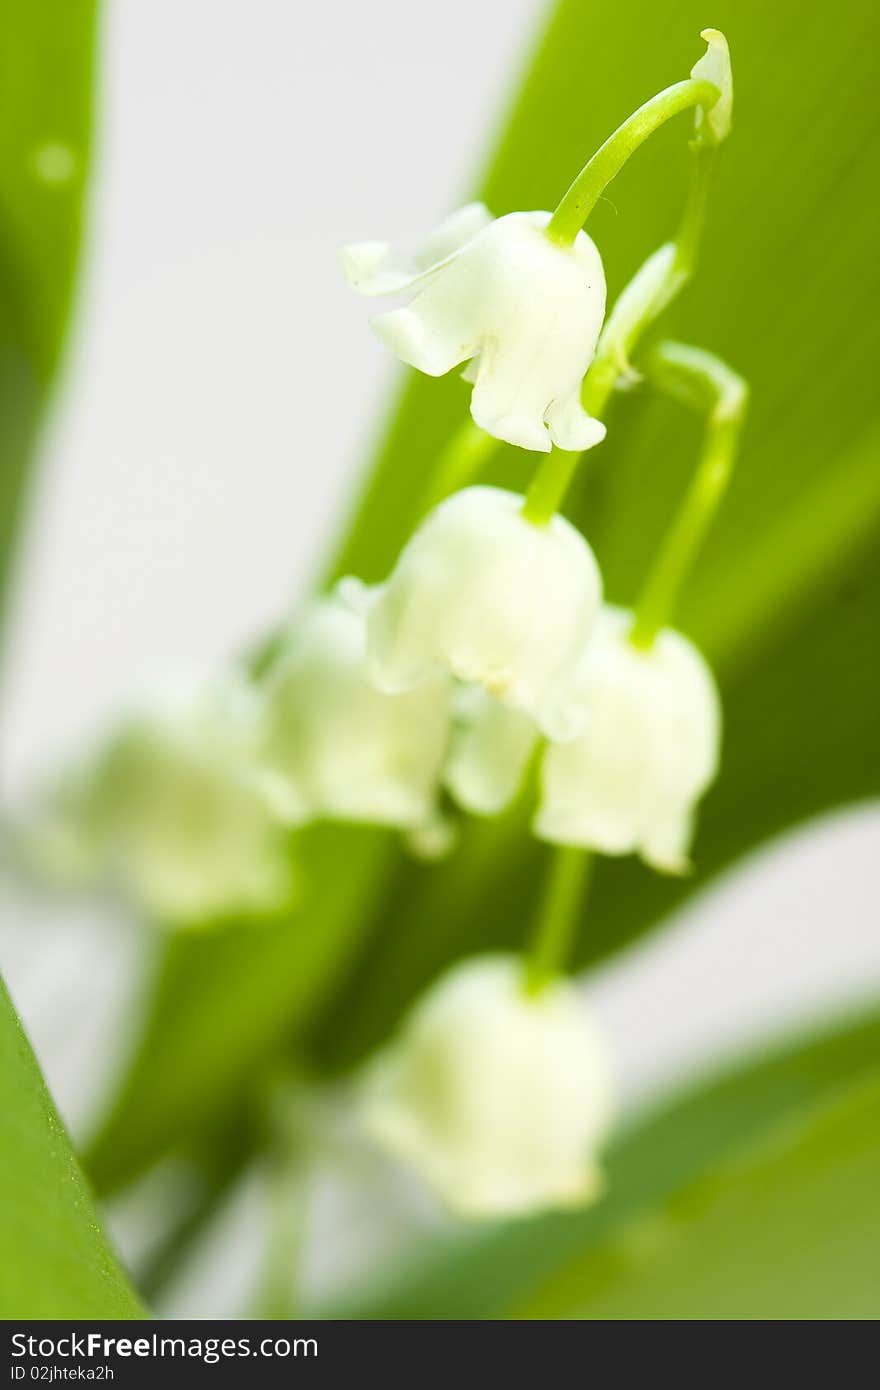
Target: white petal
667 839
355 595
344 749
490 751
453 233
501 406
432 342
373 268
575 812
631 781
571 427
471 369
480 592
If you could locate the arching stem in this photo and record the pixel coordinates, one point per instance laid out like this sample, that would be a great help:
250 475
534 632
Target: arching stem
578 202
653 287
706 383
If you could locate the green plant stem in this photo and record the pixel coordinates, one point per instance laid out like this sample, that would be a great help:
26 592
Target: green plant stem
278 1292
550 483
689 236
702 381
658 281
463 458
559 913
578 202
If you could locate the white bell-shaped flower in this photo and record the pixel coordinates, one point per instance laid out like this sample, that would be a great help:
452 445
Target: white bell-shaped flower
498 1098
333 745
521 310
650 748
489 751
483 593
172 815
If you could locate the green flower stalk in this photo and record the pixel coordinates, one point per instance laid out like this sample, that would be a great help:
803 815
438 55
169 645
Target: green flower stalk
559 913
580 199
665 273
703 381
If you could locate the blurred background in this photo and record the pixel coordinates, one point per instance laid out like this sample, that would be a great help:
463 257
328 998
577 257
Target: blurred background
220 395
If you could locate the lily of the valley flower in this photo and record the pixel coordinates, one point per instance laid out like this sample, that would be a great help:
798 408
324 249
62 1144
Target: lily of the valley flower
521 310
332 745
171 815
650 748
489 752
499 1099
483 593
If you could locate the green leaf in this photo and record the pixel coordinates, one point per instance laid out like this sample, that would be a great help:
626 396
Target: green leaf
789 1233
663 1174
55 1261
226 1003
45 114
785 599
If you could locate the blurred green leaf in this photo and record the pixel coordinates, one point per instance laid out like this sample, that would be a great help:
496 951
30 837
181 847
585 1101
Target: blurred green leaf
789 1233
55 1261
662 1184
227 1002
45 115
786 598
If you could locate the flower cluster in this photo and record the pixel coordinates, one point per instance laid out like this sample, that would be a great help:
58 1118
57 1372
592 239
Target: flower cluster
486 652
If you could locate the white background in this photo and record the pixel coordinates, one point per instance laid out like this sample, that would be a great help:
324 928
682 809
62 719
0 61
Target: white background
221 394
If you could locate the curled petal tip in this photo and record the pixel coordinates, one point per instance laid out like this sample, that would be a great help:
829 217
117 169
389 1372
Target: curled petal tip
521 432
434 841
594 433
673 867
411 339
713 125
362 261
374 268
355 595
